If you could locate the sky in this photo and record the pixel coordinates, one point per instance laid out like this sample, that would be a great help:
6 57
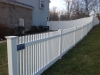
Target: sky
60 4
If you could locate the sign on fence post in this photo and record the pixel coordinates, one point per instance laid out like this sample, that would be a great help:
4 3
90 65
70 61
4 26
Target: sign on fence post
12 54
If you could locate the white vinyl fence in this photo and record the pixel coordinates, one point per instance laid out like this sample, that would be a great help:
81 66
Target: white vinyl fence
32 54
55 25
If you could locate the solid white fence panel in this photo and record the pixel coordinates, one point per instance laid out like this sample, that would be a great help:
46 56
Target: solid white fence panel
84 30
55 25
78 34
68 40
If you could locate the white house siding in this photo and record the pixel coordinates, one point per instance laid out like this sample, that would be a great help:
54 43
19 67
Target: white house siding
39 15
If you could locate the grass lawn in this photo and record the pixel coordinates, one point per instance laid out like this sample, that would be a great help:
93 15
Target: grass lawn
83 59
3 59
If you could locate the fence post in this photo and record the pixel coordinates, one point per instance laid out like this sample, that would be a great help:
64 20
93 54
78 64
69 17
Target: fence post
75 36
91 24
12 54
87 29
82 32
60 43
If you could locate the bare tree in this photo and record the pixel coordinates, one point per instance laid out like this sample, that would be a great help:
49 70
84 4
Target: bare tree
54 14
75 9
80 8
90 5
63 15
68 5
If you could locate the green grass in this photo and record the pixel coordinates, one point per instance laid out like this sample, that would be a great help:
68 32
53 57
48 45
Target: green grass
3 59
83 59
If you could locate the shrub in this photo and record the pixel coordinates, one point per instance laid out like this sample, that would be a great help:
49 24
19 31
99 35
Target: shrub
41 28
20 29
5 30
34 29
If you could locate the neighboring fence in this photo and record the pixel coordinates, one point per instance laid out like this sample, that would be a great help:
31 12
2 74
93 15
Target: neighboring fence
31 55
55 25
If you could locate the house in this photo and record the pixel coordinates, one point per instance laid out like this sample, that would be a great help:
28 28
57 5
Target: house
40 12
32 12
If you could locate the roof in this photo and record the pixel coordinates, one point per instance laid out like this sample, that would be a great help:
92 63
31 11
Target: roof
17 3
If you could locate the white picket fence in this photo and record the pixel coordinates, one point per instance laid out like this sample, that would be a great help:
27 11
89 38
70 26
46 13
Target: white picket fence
32 54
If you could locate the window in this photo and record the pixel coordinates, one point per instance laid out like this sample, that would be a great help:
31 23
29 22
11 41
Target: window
41 4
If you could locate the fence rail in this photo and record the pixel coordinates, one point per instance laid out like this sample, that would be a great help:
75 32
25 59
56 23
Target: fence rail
31 55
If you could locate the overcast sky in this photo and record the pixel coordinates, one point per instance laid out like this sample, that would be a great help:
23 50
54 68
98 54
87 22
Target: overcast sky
57 3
